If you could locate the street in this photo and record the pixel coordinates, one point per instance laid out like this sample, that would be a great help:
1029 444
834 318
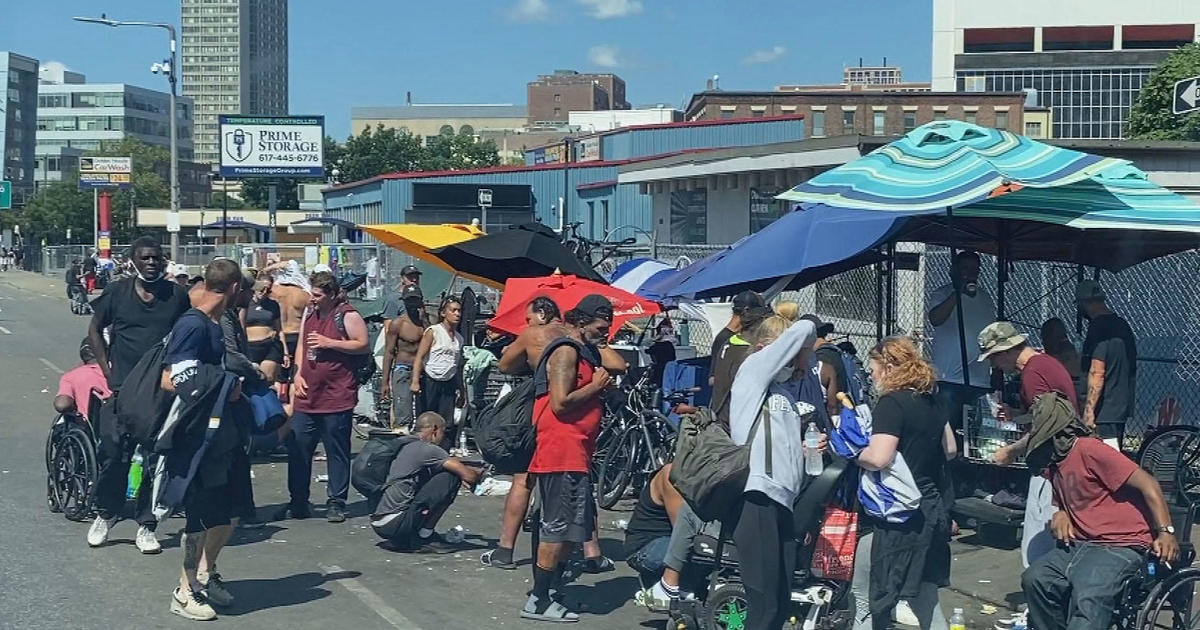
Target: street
294 574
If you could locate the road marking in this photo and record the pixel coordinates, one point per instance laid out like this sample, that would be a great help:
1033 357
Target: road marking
373 601
53 368
5 330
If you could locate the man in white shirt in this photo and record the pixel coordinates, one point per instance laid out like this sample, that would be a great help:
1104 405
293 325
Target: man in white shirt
978 310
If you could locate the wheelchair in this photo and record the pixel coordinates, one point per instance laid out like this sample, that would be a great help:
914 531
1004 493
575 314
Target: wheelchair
71 464
79 301
1158 597
817 603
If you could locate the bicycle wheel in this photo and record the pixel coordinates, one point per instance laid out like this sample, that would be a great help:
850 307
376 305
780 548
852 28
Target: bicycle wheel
618 466
662 436
75 473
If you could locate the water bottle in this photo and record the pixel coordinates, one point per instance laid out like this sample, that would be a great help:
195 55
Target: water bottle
1151 567
135 474
957 620
462 441
814 463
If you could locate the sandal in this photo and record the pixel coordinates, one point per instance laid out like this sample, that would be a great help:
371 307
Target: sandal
489 560
553 612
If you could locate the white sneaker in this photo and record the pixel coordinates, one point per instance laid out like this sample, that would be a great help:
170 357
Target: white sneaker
98 533
654 598
191 605
904 615
147 542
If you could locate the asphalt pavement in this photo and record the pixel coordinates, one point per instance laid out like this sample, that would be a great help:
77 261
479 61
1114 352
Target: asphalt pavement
289 574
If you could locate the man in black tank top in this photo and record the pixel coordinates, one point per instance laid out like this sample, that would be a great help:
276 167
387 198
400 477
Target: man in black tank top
658 540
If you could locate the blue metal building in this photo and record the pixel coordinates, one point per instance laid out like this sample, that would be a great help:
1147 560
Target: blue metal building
583 190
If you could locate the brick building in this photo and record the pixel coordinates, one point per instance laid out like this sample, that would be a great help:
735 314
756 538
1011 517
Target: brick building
838 113
553 96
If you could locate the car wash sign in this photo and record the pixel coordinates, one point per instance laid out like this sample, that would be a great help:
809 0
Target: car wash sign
272 146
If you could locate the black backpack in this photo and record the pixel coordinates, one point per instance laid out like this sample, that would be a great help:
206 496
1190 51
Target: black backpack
369 470
141 404
365 370
504 430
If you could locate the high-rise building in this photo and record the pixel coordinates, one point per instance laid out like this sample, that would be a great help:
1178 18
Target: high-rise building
553 96
1087 65
235 61
18 122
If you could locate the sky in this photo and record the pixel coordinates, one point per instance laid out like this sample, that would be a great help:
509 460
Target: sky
350 53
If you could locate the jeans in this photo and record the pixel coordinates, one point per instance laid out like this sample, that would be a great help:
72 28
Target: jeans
1076 587
404 404
925 605
650 560
332 430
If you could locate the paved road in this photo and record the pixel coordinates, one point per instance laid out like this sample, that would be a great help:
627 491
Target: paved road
293 574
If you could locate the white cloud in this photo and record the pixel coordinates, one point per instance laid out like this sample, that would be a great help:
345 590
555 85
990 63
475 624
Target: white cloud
605 9
773 53
530 11
604 56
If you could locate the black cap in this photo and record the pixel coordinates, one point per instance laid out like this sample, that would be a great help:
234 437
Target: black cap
410 270
747 300
595 306
823 329
411 293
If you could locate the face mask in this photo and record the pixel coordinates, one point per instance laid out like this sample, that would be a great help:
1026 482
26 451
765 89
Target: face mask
785 374
148 279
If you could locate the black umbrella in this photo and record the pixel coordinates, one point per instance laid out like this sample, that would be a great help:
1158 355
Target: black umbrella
530 250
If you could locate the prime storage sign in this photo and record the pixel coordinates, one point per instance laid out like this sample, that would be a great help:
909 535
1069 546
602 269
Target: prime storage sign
272 146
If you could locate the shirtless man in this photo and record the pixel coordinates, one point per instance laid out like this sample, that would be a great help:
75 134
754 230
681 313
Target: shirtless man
403 337
291 291
522 356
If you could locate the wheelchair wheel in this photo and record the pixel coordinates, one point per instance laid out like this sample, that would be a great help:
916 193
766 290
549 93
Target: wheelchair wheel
617 468
53 492
1187 470
75 473
1171 604
726 608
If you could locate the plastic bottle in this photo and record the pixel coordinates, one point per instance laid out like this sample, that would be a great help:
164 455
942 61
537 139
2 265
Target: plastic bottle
1151 567
462 441
135 474
957 620
814 462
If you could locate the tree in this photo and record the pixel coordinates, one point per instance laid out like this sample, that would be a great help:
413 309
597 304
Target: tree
53 210
150 183
380 150
219 201
452 153
1151 117
257 192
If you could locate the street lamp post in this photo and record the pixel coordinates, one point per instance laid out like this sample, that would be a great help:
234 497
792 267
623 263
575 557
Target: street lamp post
167 67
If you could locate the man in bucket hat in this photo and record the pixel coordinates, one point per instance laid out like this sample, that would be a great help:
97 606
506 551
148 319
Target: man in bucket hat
1009 351
1111 512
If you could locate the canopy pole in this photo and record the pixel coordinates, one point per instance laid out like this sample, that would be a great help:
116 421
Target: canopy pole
958 307
778 287
881 268
1001 270
1078 312
890 291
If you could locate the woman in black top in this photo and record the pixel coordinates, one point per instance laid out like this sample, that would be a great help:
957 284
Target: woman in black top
909 560
262 322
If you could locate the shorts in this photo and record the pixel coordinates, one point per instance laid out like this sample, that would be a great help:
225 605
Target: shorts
265 350
568 506
207 507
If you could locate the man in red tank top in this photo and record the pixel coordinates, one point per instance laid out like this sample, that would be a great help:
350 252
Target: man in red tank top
567 415
325 392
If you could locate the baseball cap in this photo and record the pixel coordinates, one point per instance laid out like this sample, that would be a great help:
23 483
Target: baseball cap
823 329
411 292
1089 290
319 267
746 300
998 337
595 305
410 270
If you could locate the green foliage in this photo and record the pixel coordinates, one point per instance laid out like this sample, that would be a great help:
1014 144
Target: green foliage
55 208
257 193
1151 117
387 150
218 201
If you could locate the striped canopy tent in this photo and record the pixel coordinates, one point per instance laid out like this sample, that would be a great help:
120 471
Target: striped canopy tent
961 185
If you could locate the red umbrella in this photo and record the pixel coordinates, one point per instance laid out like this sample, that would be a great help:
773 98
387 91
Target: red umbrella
566 291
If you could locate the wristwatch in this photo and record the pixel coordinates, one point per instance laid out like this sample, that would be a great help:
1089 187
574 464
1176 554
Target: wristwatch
1169 529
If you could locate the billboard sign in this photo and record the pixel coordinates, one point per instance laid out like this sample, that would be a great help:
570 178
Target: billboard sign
587 150
272 146
105 172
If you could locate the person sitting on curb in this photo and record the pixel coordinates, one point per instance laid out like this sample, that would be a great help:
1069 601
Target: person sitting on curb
421 484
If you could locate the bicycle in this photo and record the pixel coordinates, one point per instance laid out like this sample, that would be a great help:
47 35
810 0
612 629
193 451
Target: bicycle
586 249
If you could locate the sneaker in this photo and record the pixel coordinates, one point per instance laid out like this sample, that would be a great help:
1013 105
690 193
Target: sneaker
335 513
599 564
435 544
289 511
216 593
904 615
98 533
491 559
147 542
191 605
654 598
250 522
551 611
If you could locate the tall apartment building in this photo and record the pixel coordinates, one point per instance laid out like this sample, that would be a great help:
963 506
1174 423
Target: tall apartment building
1087 63
234 61
553 96
18 122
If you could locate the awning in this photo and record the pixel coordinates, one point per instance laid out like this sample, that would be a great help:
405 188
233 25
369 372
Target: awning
417 239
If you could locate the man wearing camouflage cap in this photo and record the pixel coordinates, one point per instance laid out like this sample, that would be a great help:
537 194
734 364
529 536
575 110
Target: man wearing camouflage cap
1002 345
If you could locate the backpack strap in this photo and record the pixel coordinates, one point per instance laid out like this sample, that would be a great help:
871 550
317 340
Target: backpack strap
764 418
541 378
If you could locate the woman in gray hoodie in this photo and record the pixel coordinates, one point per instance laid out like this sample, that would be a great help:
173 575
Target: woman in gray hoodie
767 384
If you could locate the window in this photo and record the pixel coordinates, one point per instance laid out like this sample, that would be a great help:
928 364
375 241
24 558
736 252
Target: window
727 113
818 119
879 122
446 130
847 121
1001 120
689 216
765 208
757 113
1033 129
970 117
939 114
910 121
558 98
466 130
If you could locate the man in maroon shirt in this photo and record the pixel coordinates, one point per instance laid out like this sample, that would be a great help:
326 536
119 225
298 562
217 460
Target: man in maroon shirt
1009 351
1110 513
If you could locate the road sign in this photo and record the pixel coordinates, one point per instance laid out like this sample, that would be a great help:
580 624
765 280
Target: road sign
485 197
105 172
5 195
1187 96
272 146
